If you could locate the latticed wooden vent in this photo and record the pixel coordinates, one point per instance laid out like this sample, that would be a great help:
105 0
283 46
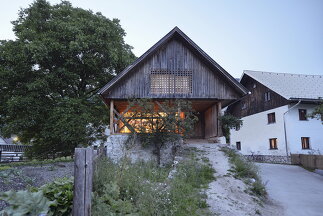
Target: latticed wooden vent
171 81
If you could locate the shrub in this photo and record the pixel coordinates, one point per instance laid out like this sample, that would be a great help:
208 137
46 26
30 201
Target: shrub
55 198
61 192
25 203
145 189
228 122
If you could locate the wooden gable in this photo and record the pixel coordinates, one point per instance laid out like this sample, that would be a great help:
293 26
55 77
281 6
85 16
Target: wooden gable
174 56
256 101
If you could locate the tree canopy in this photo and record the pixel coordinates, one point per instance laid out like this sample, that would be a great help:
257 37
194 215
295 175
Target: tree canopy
50 74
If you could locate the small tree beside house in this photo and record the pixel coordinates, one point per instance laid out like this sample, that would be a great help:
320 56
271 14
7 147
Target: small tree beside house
159 123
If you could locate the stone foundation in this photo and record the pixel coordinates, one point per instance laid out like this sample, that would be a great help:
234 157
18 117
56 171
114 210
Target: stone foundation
119 146
269 159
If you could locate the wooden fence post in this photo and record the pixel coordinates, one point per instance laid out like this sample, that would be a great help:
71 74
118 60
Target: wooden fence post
83 173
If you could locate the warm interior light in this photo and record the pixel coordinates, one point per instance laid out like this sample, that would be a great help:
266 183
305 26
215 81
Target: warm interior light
15 139
141 121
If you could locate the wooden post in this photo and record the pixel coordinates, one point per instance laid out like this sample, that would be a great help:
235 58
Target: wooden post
83 174
219 126
111 117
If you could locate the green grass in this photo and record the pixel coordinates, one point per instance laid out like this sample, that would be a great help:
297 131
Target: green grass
246 170
36 162
145 189
5 167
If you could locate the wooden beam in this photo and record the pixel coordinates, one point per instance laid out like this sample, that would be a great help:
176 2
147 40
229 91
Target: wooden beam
219 127
161 107
124 121
111 117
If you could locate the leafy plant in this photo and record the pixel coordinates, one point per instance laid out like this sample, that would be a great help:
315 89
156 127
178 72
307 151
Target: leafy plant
228 122
61 193
143 188
25 203
318 112
169 122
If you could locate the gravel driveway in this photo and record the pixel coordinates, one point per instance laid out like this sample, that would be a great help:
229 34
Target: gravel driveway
228 196
298 190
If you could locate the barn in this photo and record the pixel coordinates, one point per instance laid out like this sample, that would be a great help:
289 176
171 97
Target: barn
174 68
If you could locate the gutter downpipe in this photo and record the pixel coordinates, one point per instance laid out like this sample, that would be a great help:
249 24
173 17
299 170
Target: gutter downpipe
285 132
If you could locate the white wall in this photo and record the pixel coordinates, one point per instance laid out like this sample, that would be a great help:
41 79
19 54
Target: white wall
296 129
255 133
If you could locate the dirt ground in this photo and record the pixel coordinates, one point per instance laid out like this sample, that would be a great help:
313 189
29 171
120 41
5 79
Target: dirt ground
22 177
227 195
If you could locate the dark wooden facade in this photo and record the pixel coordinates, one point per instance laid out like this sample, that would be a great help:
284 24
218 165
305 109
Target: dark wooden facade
174 56
205 83
255 102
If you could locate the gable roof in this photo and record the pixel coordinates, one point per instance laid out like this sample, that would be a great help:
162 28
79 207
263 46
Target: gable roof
290 86
176 32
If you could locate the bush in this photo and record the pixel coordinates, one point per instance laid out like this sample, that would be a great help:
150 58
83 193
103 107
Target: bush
25 203
61 192
145 189
55 198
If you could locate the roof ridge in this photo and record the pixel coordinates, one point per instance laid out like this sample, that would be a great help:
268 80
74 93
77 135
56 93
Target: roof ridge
292 74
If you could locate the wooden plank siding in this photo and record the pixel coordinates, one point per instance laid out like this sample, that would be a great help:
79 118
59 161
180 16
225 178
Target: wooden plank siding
174 56
255 102
211 121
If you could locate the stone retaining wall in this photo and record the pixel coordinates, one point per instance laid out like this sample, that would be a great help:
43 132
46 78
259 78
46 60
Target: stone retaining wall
269 159
123 145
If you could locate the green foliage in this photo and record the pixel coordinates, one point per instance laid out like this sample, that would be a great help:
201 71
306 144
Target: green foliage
318 112
162 122
61 193
50 74
228 122
4 168
55 198
25 203
145 189
244 169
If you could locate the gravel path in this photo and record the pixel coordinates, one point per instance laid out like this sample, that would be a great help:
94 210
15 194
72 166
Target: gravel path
226 195
300 191
22 177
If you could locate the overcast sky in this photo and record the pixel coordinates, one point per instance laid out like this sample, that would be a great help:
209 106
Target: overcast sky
276 35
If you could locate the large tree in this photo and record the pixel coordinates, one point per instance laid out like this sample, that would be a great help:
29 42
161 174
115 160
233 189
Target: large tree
50 73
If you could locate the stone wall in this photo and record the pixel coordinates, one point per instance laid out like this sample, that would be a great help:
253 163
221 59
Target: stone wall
269 159
123 145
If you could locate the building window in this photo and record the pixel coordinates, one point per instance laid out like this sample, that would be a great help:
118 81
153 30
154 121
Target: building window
238 145
267 96
171 82
271 118
302 114
273 143
305 142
